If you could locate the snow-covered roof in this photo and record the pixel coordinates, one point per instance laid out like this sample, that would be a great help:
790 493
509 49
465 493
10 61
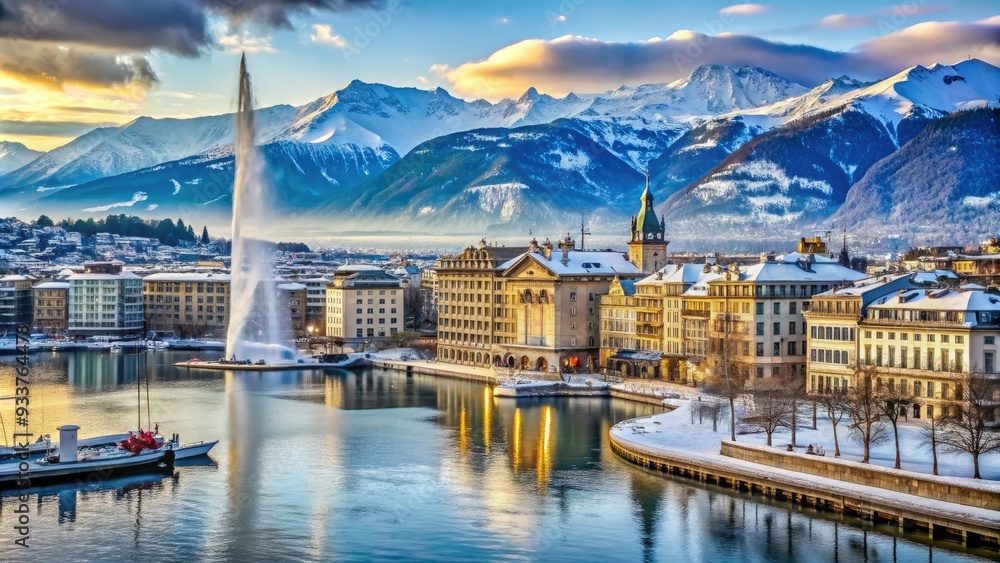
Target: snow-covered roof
291 286
52 285
686 274
940 300
865 286
796 267
16 278
121 276
358 268
931 276
579 262
187 277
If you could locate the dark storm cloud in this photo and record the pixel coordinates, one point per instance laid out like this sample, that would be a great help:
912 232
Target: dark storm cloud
277 13
177 26
54 66
104 42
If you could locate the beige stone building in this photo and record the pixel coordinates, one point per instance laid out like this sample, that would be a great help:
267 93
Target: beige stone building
749 318
364 303
924 341
537 310
188 304
52 306
471 296
551 319
833 319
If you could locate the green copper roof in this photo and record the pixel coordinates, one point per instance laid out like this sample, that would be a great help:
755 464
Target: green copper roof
646 221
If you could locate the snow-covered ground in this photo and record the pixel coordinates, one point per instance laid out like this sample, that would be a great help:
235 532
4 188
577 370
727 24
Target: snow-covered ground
674 430
673 435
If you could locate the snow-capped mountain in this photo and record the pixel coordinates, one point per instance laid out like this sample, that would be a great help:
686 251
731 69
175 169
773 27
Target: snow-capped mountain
709 90
200 187
15 155
945 178
734 152
500 180
824 142
143 142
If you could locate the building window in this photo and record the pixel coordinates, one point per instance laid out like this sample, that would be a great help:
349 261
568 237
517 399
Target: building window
760 348
777 307
760 329
760 308
776 349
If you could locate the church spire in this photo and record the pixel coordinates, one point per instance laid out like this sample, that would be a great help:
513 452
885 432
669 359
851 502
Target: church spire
647 226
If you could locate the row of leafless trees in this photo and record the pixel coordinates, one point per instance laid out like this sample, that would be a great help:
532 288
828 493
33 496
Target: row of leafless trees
871 411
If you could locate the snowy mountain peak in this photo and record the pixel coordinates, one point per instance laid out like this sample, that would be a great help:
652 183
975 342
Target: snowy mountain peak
529 95
930 91
14 155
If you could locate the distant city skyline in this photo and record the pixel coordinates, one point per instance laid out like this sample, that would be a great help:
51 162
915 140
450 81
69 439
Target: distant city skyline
79 65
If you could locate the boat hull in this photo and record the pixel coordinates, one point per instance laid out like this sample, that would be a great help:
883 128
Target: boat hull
187 451
86 471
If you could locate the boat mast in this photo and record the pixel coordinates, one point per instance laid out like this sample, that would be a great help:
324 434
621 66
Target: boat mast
145 371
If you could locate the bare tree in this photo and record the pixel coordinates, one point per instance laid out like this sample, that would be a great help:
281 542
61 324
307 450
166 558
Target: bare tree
833 404
929 438
771 410
861 401
415 305
795 390
893 403
727 380
714 411
967 428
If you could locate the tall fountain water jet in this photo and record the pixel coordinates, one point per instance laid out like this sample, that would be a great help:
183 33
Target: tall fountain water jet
257 323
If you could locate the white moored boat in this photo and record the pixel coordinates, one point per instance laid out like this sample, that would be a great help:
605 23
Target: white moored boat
192 449
72 464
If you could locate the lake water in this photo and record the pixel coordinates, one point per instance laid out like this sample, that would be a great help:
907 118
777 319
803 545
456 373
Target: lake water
375 465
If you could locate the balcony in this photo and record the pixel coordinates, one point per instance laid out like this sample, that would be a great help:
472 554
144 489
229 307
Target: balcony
694 313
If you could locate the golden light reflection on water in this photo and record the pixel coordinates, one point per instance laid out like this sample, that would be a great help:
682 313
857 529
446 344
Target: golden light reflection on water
463 431
515 443
543 461
487 417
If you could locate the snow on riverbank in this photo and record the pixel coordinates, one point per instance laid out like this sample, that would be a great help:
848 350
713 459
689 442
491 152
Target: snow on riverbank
674 430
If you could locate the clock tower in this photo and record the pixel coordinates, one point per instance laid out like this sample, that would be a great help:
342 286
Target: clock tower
648 247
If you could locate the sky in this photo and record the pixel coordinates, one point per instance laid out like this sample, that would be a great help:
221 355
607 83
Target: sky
67 66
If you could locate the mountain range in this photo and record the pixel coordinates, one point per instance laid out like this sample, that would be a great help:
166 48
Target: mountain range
731 153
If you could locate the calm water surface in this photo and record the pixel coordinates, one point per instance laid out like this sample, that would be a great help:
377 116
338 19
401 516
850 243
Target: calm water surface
378 465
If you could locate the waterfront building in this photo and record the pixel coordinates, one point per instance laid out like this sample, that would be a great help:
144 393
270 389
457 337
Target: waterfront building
189 304
925 342
364 303
711 318
833 319
105 301
51 306
471 296
16 302
315 303
550 311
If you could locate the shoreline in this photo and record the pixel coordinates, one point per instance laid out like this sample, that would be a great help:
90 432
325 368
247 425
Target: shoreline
485 375
970 525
